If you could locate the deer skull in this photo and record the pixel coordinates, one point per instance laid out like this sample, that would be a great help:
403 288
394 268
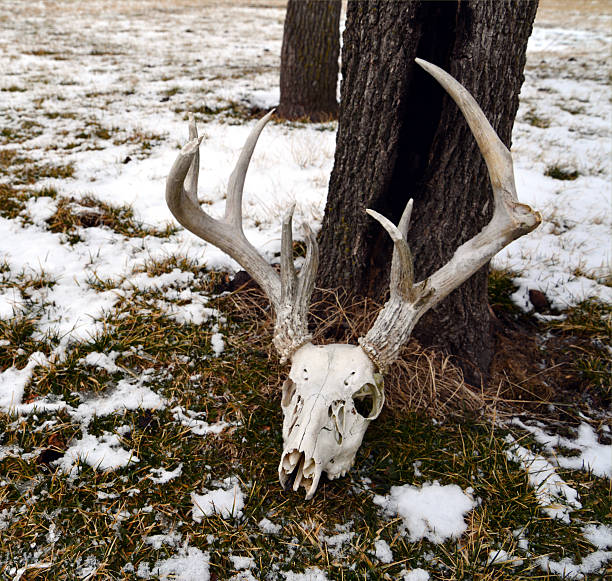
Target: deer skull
335 391
332 394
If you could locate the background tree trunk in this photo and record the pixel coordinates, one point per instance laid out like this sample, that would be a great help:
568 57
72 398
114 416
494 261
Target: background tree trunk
309 60
401 136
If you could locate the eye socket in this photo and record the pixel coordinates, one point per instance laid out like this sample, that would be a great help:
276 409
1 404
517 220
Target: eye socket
368 401
364 405
288 392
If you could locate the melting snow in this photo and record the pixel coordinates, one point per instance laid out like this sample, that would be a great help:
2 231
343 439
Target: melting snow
242 562
105 361
102 453
433 512
383 551
227 501
501 557
190 564
567 569
556 497
335 543
268 527
199 427
157 541
415 575
161 476
13 382
126 396
599 536
592 456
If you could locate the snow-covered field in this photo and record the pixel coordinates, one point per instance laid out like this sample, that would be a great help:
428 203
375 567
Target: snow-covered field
100 90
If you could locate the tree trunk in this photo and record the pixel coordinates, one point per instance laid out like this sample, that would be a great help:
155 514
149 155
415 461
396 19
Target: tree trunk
401 136
309 60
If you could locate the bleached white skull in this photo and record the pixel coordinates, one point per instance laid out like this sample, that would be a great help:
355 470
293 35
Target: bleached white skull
332 394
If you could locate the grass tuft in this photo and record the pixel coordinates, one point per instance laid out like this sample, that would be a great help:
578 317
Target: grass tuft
586 335
501 287
558 173
536 121
88 212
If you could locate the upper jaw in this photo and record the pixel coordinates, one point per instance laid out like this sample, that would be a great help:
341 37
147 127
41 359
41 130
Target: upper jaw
296 469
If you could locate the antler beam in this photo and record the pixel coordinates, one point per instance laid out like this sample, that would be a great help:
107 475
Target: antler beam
511 219
288 293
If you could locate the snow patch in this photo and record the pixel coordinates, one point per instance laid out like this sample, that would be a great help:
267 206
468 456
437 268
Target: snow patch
227 501
567 569
190 419
126 396
414 575
11 303
190 564
593 456
240 563
268 527
557 498
501 557
157 541
383 551
13 382
311 574
102 453
161 476
600 536
433 512
101 361
335 543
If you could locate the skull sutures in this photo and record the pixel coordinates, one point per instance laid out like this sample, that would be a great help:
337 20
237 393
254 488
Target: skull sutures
332 394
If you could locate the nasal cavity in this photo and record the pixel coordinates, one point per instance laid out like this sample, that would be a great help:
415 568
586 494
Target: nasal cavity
288 392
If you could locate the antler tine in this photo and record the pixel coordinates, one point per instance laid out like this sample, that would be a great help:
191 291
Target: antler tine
289 293
401 280
308 272
226 233
510 220
288 276
191 181
291 330
233 207
495 153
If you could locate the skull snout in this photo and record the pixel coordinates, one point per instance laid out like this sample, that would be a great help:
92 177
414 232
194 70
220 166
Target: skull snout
298 466
331 395
312 441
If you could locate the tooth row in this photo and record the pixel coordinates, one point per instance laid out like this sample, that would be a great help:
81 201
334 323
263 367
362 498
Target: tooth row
300 471
291 460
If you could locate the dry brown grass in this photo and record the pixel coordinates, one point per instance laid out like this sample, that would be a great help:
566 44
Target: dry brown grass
527 374
423 380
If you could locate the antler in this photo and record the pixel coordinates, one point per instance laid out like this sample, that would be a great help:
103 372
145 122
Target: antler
288 293
511 219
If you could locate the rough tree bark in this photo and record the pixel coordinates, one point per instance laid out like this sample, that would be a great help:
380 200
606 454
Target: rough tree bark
400 136
309 60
